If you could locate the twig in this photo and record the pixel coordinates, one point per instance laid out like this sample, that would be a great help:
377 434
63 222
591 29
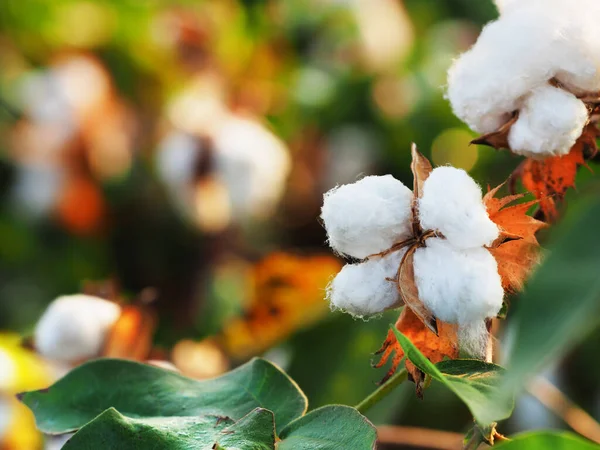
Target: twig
557 402
419 437
382 391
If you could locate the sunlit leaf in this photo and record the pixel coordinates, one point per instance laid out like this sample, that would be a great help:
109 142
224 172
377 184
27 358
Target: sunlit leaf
142 391
113 430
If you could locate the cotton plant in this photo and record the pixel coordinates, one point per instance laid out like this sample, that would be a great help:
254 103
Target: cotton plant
445 251
530 84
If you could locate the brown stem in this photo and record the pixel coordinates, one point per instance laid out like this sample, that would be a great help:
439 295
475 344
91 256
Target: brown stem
557 402
414 437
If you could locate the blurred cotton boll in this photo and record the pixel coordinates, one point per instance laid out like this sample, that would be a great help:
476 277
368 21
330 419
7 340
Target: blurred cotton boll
236 173
175 162
253 164
75 327
68 92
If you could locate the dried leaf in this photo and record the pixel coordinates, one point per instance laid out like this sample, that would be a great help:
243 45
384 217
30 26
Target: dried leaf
550 178
408 291
421 168
434 347
131 336
497 139
286 294
518 254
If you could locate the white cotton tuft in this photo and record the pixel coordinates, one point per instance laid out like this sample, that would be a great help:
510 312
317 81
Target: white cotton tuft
458 286
474 340
253 163
367 217
531 43
451 203
74 327
363 289
549 123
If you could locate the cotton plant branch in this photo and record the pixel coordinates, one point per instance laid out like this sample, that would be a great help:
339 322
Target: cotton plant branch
382 391
557 402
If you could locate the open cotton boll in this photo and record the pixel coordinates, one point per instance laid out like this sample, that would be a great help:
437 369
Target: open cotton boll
367 217
549 123
364 289
75 327
452 204
511 57
457 286
532 42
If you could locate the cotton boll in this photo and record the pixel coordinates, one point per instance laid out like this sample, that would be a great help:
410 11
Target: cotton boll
364 289
75 327
457 286
532 42
549 123
509 59
367 217
452 204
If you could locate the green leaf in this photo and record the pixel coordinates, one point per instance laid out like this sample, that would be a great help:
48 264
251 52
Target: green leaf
142 391
113 430
561 301
475 382
333 427
546 440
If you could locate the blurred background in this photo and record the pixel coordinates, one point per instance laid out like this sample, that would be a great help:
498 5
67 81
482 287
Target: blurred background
171 157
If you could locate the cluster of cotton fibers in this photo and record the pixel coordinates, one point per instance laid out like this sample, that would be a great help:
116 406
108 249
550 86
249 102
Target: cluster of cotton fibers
456 276
536 60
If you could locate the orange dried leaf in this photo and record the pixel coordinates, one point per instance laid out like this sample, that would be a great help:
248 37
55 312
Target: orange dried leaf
286 295
520 253
435 347
131 336
549 179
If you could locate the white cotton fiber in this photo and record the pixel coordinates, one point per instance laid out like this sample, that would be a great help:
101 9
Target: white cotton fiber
457 286
474 340
75 327
367 217
531 43
549 123
452 205
364 289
